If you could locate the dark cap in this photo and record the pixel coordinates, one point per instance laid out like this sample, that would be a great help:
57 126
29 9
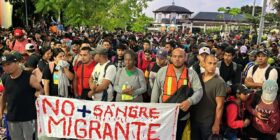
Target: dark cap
100 50
162 54
240 88
9 58
263 51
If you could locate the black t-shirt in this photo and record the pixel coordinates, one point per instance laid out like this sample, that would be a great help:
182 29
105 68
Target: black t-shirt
32 61
53 78
20 97
155 68
42 64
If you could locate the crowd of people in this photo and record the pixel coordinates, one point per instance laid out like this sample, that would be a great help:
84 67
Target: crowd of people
225 84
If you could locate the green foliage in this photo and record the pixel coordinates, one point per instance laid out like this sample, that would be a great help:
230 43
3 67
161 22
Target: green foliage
109 14
248 10
140 23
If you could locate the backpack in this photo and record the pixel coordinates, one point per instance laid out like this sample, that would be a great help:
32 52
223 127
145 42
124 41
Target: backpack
105 93
234 65
267 73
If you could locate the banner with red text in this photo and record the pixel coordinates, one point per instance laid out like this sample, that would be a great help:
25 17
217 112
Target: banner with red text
81 119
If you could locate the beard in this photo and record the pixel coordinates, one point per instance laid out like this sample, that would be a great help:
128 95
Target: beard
178 67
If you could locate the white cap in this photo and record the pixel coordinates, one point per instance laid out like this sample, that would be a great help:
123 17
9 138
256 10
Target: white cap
243 49
204 50
29 47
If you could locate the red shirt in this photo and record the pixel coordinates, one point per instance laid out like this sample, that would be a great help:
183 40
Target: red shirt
20 46
232 113
88 68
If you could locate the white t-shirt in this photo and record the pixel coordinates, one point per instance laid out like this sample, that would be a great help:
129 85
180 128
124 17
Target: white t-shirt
259 75
97 76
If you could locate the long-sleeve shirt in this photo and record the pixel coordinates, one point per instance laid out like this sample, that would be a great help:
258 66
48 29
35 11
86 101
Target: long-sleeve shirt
137 81
232 117
157 91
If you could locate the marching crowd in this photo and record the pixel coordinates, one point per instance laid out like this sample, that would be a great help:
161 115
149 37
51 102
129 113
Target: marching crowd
225 84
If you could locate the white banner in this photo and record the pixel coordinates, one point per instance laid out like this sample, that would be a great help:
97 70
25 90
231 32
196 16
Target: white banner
80 119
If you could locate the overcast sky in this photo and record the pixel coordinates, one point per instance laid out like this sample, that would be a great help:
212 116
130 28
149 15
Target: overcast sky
199 5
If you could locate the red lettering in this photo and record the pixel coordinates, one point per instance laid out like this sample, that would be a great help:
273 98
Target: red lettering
64 107
139 124
119 127
51 120
154 113
54 109
124 112
69 126
143 112
107 131
84 131
132 112
152 132
109 112
97 111
95 128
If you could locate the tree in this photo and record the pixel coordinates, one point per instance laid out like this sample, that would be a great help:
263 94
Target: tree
140 23
276 5
248 10
108 14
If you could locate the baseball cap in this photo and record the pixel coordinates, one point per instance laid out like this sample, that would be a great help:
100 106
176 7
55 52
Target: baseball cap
162 54
29 47
17 55
240 88
9 58
243 49
18 32
263 51
100 50
204 50
252 53
269 90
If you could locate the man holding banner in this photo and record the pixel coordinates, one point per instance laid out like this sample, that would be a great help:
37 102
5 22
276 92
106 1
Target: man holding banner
176 83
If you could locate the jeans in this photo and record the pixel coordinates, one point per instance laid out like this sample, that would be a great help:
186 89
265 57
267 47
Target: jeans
200 131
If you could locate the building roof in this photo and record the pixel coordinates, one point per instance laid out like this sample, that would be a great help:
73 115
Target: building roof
216 16
173 8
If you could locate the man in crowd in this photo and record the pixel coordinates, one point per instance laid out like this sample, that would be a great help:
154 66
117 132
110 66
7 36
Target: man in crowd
20 41
183 82
102 77
83 70
21 89
260 72
207 114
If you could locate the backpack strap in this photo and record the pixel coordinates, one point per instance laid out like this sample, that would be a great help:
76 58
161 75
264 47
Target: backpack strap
13 44
254 69
267 72
105 93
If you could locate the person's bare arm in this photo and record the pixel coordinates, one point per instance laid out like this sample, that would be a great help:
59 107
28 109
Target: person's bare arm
3 100
218 115
105 84
36 84
69 74
249 82
46 86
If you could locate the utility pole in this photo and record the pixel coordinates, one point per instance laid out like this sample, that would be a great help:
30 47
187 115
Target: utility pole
262 22
26 13
254 7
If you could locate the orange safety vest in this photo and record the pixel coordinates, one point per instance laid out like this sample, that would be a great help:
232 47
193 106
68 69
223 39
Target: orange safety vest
171 85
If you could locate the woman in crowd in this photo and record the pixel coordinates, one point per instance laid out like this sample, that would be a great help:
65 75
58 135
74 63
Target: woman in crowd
130 82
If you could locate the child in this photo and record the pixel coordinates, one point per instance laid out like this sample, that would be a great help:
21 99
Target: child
265 110
118 60
234 113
